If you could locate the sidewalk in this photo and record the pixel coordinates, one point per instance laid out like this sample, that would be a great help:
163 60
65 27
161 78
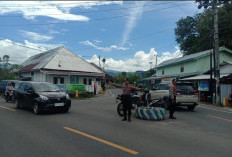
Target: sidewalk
211 106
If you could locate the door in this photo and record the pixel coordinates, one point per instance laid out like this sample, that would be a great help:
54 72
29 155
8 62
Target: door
20 93
160 91
28 96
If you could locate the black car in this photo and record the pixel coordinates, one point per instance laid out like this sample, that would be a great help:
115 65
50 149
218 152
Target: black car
41 96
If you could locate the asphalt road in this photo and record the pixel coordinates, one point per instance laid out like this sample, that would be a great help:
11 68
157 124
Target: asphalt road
93 128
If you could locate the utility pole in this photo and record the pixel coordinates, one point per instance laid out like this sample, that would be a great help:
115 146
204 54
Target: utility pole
217 57
150 65
99 61
214 4
104 77
156 56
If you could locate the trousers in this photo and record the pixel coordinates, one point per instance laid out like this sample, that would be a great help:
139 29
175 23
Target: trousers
127 104
172 106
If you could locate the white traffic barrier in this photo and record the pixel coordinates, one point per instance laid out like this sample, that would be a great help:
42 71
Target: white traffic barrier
151 113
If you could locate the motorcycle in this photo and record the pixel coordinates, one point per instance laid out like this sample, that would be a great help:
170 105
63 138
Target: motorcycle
137 100
9 95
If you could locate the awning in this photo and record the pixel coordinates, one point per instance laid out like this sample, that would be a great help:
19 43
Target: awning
202 77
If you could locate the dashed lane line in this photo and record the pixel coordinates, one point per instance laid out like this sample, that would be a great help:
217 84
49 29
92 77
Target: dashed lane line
228 120
214 109
102 141
7 108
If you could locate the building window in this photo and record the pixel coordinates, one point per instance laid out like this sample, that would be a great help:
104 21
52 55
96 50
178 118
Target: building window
90 81
162 72
55 80
85 81
182 69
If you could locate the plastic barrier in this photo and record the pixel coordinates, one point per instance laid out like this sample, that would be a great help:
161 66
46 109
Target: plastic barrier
150 113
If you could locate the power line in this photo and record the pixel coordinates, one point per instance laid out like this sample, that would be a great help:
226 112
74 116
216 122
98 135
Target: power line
100 19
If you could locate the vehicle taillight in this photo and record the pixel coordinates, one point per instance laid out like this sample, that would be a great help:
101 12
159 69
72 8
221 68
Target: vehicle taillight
178 93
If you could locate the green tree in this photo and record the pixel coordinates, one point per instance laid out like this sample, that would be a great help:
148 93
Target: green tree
193 33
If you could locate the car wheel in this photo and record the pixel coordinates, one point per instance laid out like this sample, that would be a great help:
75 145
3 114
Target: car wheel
150 113
16 104
191 108
67 109
120 109
36 109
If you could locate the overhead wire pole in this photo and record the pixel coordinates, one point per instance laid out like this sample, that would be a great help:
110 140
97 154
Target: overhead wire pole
217 56
214 4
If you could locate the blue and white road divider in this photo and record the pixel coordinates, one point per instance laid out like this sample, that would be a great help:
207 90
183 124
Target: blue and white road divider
150 113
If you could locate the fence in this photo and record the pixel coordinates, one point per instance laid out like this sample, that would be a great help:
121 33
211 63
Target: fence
226 90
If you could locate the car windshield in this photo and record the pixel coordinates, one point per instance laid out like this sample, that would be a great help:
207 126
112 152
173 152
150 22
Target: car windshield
185 87
45 87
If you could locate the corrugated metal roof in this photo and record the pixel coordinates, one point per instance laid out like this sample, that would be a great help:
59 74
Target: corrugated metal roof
188 57
59 58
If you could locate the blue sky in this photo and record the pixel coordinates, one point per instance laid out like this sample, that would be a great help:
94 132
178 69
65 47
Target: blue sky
127 33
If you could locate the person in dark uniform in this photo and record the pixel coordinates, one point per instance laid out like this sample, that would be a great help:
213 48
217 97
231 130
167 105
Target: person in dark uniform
172 98
126 98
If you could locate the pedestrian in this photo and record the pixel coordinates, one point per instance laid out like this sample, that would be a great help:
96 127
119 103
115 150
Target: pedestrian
172 98
126 99
95 88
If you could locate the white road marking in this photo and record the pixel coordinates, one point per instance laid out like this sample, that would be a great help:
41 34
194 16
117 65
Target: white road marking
112 94
214 109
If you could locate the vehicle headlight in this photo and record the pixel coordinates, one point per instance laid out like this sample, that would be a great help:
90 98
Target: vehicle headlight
43 97
67 96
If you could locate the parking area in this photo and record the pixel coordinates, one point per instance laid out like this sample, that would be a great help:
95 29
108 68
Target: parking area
93 128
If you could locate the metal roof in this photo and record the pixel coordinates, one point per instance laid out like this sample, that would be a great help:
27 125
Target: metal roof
189 57
202 77
59 58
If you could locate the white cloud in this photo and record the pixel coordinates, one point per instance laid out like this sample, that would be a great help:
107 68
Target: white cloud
36 36
105 49
54 9
132 20
19 53
140 60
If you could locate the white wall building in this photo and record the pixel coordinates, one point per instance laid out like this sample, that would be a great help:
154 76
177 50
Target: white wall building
60 66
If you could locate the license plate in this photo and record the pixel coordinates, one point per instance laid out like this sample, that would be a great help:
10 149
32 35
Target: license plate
59 104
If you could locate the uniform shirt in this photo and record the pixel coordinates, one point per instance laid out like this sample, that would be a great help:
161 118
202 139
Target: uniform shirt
126 89
172 91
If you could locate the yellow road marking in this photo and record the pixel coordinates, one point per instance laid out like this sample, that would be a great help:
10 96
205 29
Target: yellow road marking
220 118
7 108
103 141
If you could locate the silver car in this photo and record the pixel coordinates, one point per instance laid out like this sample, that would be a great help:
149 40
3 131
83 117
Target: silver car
186 95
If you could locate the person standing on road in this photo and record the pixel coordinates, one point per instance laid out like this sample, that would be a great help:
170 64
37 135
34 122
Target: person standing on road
126 98
172 98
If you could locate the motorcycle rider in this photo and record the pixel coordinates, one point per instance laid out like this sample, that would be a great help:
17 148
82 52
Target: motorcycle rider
9 89
126 98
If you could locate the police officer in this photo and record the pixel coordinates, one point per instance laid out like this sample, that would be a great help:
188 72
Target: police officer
172 98
126 98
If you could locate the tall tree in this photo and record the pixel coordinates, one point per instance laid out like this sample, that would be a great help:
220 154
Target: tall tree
193 33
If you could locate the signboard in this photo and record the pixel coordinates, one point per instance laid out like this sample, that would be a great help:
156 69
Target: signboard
153 81
203 86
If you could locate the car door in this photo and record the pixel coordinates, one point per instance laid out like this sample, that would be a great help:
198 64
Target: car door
28 96
155 92
20 94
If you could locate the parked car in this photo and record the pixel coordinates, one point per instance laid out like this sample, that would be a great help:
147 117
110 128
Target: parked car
4 83
41 96
186 95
